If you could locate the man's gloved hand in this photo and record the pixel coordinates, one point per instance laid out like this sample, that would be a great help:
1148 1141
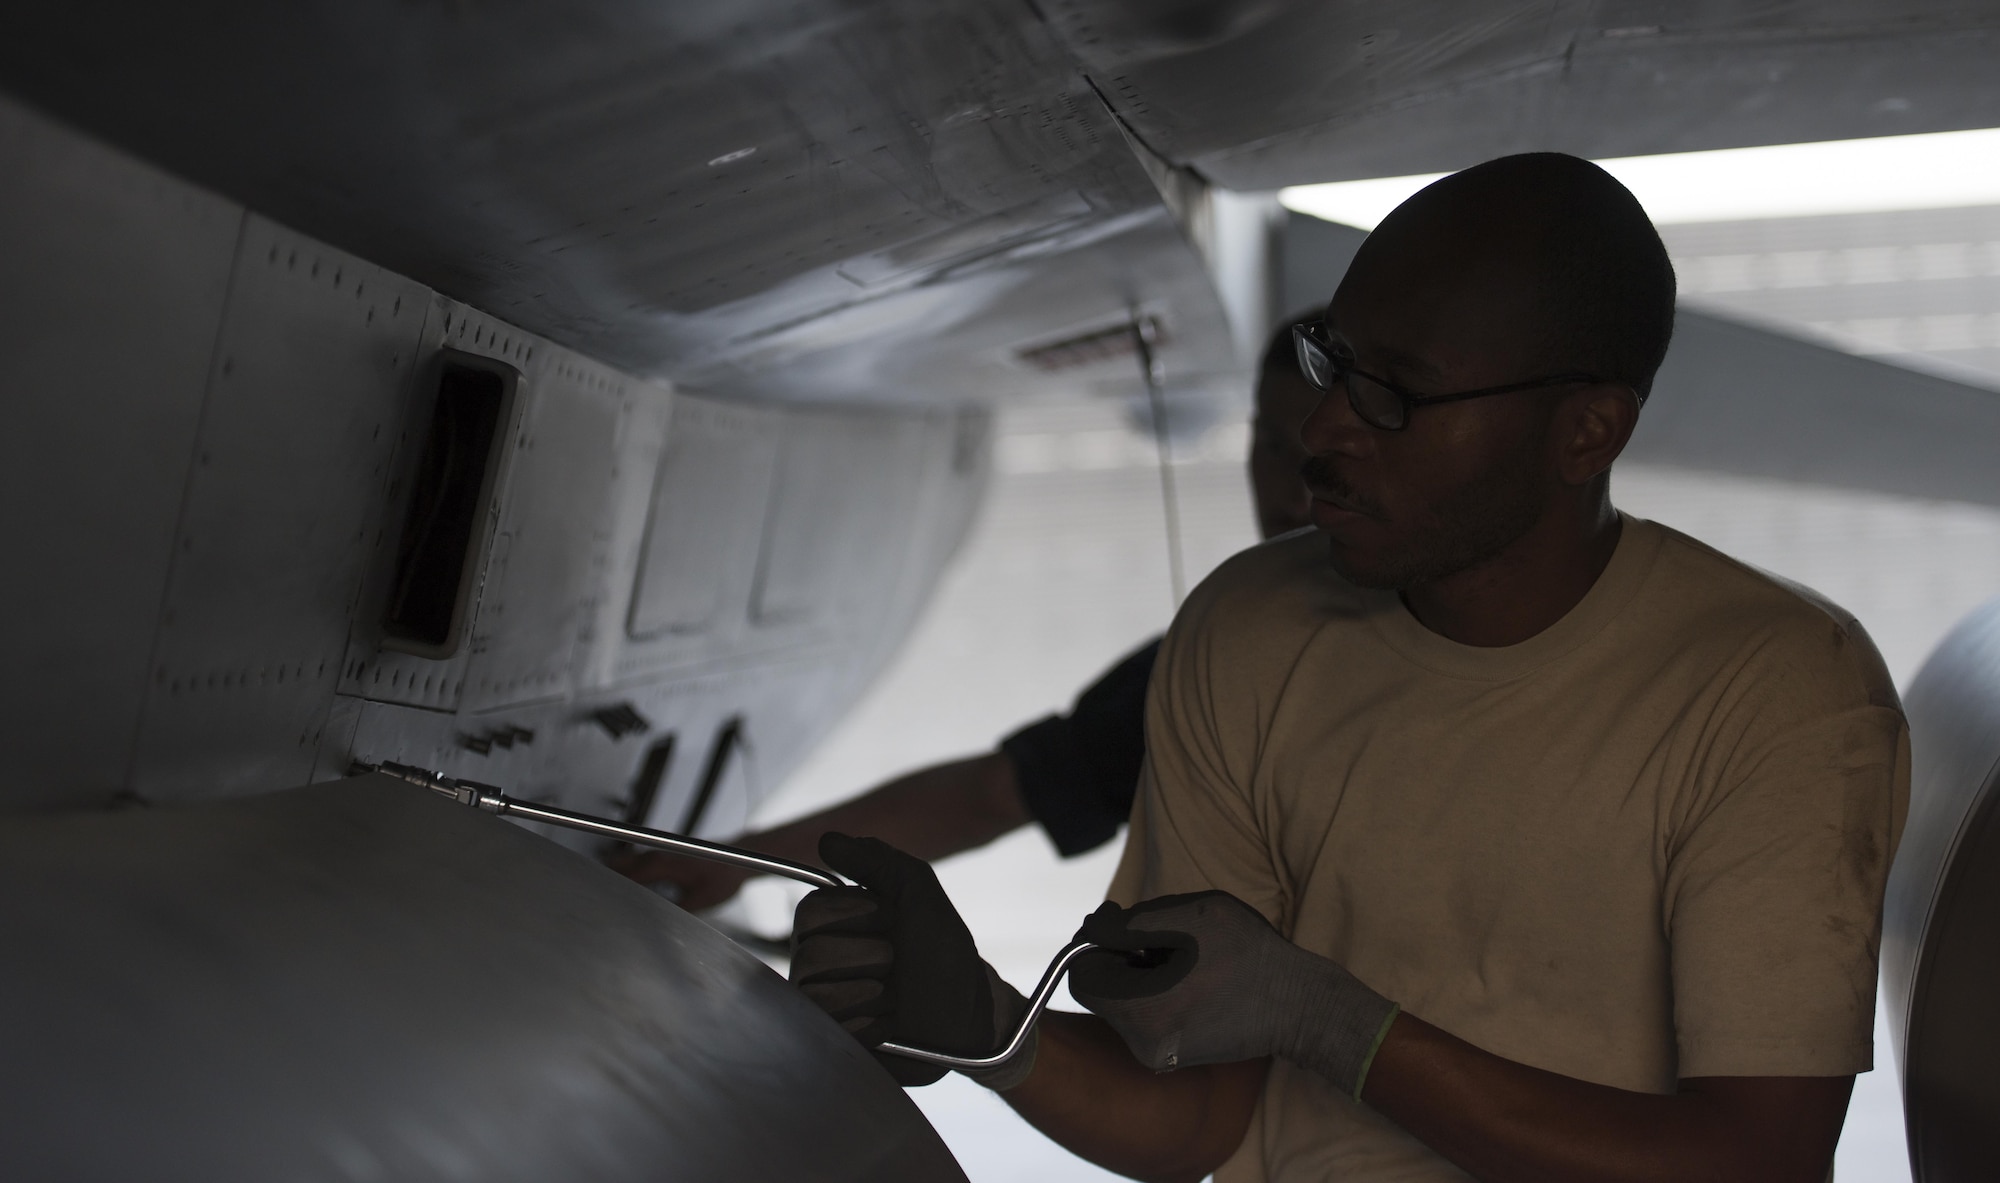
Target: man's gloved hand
891 960
1205 979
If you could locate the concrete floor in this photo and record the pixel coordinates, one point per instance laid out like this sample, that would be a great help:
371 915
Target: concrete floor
1066 570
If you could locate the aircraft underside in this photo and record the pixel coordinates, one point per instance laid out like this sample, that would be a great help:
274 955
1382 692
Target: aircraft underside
586 401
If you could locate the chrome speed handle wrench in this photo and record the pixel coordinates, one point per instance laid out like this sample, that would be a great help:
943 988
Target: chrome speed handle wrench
489 799
1037 1003
492 800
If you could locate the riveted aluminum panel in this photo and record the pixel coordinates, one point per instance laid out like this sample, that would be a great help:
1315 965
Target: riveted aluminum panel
642 444
707 512
873 495
115 276
297 441
791 720
847 493
549 555
433 739
642 438
954 461
682 582
574 762
306 418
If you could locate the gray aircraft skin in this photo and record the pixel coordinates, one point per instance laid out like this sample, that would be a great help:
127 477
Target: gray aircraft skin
585 400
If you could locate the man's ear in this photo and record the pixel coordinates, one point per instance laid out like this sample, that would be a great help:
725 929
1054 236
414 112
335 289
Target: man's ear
1592 428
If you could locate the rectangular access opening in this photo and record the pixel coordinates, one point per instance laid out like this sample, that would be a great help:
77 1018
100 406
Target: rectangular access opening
448 524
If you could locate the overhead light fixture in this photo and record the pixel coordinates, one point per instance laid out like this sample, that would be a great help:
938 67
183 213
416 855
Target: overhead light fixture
1933 171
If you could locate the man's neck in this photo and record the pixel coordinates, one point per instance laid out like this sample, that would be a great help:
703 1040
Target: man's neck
1525 588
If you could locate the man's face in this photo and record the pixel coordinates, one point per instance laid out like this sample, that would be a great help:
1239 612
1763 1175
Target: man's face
1462 481
1284 399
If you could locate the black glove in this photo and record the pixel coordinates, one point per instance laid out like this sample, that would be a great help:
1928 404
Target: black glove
891 960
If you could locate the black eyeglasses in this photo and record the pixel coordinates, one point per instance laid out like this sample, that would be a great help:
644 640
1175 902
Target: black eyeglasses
1379 402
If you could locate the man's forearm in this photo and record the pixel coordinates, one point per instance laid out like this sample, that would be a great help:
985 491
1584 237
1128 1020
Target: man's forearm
932 812
1503 1121
1089 1094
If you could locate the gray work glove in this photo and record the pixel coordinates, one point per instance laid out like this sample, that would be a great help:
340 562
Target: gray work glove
1205 979
890 960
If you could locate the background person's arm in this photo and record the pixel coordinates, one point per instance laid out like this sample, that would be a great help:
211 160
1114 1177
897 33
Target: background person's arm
930 813
1503 1121
1073 773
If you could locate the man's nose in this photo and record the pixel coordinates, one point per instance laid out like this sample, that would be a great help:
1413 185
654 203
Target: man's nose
1333 427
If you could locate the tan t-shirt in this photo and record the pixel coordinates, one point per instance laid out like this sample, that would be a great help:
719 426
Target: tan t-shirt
1648 843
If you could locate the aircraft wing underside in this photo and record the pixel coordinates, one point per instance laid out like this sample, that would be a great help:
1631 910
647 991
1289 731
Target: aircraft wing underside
891 201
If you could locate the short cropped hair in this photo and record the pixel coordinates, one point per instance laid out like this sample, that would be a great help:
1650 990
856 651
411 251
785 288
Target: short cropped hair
1605 278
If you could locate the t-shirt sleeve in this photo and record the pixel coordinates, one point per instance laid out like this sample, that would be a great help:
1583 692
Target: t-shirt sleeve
1077 772
1774 884
1195 823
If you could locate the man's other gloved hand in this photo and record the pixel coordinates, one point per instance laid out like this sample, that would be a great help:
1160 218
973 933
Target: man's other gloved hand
1205 979
891 960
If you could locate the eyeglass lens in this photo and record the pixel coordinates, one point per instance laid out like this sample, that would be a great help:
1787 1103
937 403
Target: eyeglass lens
1313 361
1377 405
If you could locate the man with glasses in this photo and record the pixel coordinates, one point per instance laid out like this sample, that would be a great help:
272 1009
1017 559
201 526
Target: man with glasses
1487 832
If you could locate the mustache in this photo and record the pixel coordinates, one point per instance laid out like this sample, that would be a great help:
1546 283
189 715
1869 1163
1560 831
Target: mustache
1325 483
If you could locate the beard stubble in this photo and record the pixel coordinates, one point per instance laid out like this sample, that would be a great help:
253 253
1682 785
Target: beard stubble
1465 529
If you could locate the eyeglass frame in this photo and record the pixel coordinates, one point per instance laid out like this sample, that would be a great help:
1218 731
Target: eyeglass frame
1304 337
